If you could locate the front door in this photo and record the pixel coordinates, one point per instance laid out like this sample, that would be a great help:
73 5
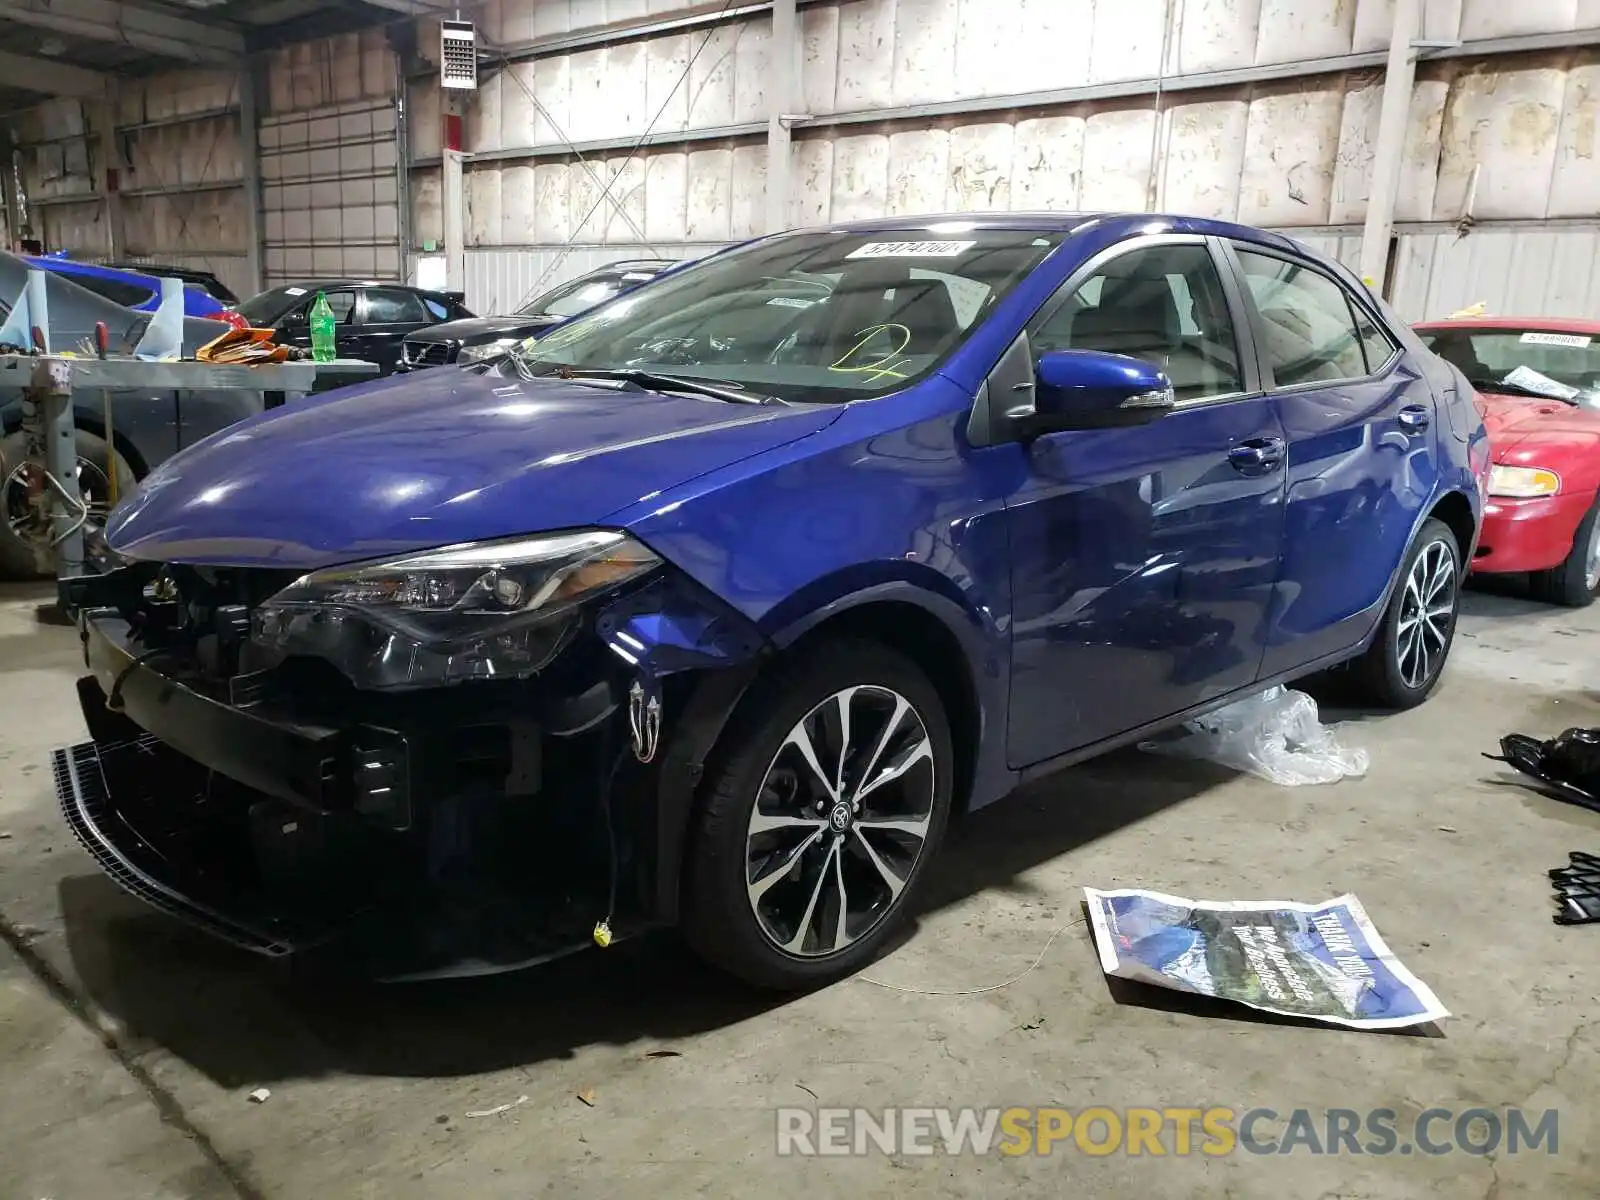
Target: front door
1144 559
294 329
1361 463
387 315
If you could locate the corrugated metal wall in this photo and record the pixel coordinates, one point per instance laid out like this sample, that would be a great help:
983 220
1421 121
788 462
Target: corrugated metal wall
502 280
1519 271
330 162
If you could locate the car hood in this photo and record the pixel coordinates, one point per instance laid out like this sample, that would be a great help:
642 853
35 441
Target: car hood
475 329
1519 425
434 459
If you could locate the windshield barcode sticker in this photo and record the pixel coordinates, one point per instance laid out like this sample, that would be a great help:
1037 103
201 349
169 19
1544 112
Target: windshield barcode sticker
790 302
911 250
1576 340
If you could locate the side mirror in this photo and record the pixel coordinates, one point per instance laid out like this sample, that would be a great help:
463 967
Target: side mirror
1089 389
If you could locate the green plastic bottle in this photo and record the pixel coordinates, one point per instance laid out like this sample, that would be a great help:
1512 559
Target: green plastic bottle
324 343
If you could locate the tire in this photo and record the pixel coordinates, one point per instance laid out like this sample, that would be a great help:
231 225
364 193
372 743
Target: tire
1574 582
1386 676
94 458
758 768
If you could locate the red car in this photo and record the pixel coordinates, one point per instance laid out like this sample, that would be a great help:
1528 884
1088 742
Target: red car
1538 381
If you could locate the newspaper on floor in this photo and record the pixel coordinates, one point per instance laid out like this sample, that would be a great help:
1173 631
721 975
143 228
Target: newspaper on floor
1324 962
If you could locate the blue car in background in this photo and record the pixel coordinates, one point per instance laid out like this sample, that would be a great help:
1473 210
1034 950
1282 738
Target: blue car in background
711 606
134 290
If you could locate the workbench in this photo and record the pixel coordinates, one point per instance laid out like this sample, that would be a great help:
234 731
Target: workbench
48 383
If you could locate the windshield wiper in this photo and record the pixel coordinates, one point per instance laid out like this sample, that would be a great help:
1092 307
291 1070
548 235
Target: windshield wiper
1516 389
659 382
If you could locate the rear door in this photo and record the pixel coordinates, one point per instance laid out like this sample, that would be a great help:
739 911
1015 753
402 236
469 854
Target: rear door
294 327
386 316
1143 559
1359 418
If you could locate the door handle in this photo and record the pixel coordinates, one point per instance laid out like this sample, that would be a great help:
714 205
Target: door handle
1257 455
1414 418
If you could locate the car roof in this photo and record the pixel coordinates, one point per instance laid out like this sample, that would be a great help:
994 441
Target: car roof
1514 324
73 266
1065 222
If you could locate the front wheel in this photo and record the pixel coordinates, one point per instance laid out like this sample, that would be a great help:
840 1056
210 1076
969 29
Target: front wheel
1574 582
826 800
1402 666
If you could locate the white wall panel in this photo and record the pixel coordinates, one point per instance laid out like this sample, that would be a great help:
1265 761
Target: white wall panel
752 62
924 50
919 167
666 197
811 183
1575 182
1301 31
1291 142
860 177
1117 148
666 90
1127 40
1493 18
1047 164
1504 123
1216 37
866 56
711 75
1204 158
708 210
748 215
980 158
820 58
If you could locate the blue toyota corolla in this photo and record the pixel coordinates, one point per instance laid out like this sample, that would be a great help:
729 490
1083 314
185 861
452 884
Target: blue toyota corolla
713 605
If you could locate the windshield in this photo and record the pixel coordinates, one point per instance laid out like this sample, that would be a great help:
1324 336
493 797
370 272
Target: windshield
570 299
264 310
1560 366
814 317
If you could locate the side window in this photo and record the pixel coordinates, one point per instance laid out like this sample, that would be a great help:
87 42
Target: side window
342 303
1307 332
391 306
1377 344
1163 304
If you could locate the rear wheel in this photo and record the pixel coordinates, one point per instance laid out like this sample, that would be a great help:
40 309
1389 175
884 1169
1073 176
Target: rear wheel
1402 666
1574 582
20 526
826 801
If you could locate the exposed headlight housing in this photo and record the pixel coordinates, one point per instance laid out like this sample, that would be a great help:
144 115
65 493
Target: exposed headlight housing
472 354
484 610
1523 483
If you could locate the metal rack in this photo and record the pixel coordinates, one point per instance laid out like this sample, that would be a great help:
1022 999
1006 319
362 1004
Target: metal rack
48 383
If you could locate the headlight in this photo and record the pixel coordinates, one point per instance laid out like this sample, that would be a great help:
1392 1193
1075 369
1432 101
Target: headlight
486 610
472 354
1523 483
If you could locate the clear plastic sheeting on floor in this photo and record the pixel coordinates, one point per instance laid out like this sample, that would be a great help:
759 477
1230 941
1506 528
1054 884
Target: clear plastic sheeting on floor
1276 735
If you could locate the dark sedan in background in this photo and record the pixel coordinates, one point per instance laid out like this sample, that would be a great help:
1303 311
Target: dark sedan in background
482 338
372 316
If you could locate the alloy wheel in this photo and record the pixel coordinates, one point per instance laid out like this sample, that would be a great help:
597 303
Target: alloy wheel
1427 615
840 821
94 488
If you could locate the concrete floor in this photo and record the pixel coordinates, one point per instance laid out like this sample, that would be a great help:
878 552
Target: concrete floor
130 1046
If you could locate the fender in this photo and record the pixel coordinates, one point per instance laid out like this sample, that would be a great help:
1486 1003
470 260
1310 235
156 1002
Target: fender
986 650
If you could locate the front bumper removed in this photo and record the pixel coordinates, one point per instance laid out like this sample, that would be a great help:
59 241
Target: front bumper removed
463 830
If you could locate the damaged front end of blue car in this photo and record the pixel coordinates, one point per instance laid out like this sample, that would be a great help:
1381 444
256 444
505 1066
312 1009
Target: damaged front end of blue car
455 761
